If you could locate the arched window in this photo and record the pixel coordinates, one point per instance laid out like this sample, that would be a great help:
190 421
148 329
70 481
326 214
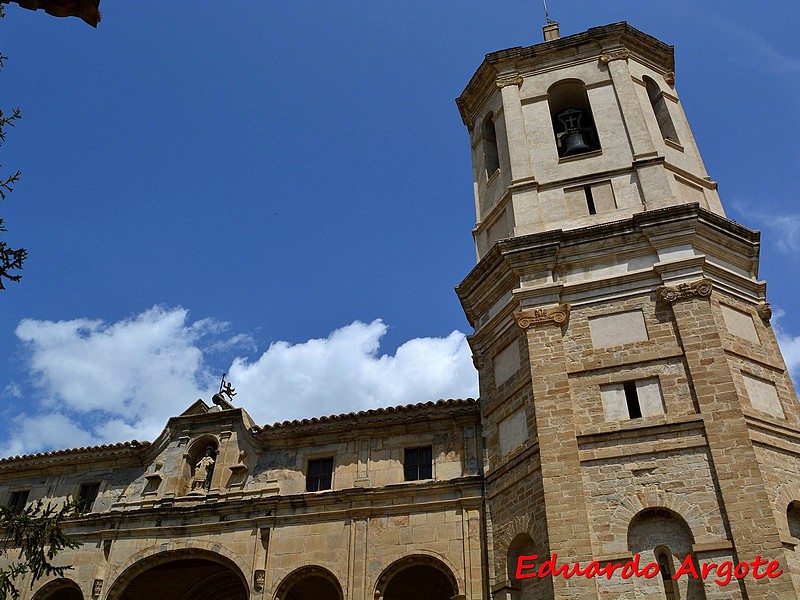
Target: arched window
666 569
660 109
793 517
491 160
522 545
662 536
573 122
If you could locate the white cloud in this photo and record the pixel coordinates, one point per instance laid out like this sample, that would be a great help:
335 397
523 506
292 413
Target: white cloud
344 372
49 430
784 228
790 345
12 390
97 382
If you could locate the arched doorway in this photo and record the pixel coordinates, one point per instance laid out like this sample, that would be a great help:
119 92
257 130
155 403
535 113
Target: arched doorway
417 577
310 583
60 589
181 575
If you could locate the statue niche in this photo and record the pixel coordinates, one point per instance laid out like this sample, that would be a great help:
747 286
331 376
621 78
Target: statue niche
201 459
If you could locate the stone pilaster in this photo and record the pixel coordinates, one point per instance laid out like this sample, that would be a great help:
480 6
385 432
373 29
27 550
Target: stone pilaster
564 495
741 484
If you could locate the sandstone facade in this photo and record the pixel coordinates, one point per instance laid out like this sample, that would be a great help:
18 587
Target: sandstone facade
633 398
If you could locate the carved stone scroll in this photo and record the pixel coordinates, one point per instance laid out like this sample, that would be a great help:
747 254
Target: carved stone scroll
700 288
764 311
514 80
621 54
557 315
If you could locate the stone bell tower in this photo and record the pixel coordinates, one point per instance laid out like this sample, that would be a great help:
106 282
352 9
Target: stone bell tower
633 395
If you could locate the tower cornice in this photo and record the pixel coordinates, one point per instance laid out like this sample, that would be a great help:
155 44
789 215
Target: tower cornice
605 44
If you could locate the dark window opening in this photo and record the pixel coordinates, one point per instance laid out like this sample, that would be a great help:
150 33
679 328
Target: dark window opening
632 399
18 501
665 567
87 496
320 474
793 518
419 463
490 155
590 200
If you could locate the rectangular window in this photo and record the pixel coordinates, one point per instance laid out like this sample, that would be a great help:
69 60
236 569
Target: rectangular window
320 474
18 501
419 463
632 399
87 496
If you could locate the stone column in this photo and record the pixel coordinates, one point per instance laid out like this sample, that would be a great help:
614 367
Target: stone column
744 498
564 495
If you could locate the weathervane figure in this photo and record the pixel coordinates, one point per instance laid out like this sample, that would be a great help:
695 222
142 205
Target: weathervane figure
225 389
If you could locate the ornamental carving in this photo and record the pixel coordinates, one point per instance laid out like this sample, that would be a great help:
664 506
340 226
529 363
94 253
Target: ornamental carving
607 57
259 579
700 288
540 316
670 78
764 311
515 80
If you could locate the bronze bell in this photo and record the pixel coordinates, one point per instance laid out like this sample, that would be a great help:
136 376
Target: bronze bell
572 139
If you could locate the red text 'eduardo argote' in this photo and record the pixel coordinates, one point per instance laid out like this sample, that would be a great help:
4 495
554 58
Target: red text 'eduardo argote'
721 572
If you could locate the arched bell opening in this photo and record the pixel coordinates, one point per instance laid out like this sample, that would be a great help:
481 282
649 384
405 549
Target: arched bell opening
573 121
60 589
181 575
491 158
310 583
420 577
660 109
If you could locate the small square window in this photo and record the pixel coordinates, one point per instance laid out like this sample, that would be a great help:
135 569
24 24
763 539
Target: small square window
18 500
419 463
87 496
320 474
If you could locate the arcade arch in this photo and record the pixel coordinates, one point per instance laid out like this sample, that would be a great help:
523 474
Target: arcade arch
188 574
59 589
420 577
310 583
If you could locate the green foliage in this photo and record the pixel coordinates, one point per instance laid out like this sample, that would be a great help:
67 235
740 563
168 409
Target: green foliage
10 259
35 536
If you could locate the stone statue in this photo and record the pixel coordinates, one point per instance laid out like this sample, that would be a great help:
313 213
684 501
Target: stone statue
203 471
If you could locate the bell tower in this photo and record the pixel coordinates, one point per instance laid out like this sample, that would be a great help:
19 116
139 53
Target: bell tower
579 131
634 399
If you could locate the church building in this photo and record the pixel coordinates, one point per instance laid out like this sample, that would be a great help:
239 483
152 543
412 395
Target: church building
634 404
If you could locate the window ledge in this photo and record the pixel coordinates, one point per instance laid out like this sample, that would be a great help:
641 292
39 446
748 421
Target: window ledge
590 154
490 178
673 144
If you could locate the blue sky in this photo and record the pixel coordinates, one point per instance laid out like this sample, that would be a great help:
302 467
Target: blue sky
283 191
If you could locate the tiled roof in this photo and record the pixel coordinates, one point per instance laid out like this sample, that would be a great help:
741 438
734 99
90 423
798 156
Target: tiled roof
103 448
389 411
